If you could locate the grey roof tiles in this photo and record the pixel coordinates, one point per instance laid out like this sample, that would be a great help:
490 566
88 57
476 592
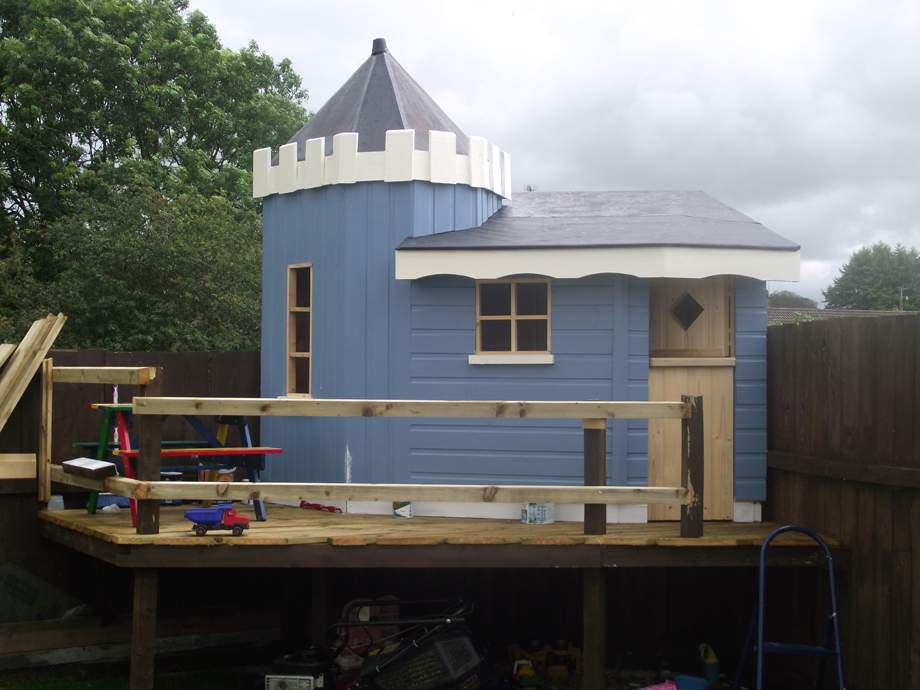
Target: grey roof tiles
610 219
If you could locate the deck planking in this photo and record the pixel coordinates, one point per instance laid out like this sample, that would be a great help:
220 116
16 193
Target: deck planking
292 526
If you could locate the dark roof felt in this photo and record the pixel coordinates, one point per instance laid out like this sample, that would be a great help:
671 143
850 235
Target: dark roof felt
379 96
610 219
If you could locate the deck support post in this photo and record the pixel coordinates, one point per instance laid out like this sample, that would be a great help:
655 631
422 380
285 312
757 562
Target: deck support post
143 629
149 462
595 433
594 643
692 476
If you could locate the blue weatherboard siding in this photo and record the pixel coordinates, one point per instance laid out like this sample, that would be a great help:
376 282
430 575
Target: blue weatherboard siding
349 233
377 337
750 390
591 326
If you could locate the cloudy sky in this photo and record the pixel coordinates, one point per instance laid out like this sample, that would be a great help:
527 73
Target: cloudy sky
803 115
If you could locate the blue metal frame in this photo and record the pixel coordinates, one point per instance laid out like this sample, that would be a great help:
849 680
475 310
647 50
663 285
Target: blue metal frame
831 646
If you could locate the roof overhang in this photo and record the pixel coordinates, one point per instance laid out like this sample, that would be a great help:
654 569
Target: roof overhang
578 262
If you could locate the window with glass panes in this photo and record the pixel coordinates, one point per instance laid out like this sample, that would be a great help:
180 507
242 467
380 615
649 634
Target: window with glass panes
513 316
299 328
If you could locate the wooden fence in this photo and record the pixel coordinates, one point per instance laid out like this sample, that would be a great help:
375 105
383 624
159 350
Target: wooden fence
844 459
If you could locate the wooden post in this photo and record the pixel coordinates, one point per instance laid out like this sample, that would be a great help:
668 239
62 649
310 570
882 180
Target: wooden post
691 467
595 431
44 438
594 643
143 629
150 431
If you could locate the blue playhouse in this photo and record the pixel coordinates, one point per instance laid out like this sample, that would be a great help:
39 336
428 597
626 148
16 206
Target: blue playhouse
397 264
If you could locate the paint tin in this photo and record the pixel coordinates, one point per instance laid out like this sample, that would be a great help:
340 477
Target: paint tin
403 509
538 513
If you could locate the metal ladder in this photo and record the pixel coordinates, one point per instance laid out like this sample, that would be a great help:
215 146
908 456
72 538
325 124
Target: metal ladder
831 647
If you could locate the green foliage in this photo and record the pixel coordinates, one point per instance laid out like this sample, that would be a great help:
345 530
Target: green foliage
122 121
787 298
151 269
874 277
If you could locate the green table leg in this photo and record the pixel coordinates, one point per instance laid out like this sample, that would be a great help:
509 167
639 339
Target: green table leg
101 454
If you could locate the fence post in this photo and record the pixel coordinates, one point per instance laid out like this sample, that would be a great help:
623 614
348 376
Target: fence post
595 432
149 462
691 467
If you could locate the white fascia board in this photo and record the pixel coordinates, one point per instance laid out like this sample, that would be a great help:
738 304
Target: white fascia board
578 262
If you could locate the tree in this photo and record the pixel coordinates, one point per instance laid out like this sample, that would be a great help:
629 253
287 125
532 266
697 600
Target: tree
787 298
105 98
146 269
876 277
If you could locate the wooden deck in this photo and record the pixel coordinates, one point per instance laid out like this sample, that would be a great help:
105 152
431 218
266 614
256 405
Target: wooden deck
300 538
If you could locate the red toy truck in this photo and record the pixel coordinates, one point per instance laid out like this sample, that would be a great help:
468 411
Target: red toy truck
222 516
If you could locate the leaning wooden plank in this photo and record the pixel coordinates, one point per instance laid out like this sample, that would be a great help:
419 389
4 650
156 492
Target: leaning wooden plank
127 376
17 360
45 438
6 349
17 466
312 407
19 371
406 492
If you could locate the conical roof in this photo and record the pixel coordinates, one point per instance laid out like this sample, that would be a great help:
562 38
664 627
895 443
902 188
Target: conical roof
379 96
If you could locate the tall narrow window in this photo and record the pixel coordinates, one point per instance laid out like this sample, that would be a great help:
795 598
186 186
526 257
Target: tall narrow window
299 328
513 316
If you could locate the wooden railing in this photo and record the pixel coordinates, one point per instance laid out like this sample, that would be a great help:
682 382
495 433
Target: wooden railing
595 495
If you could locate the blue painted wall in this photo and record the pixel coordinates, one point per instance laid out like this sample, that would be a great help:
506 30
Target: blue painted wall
349 232
600 345
376 337
750 390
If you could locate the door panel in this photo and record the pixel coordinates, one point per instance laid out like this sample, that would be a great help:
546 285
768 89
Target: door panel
716 385
693 357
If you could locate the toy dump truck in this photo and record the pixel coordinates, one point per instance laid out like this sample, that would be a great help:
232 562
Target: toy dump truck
222 516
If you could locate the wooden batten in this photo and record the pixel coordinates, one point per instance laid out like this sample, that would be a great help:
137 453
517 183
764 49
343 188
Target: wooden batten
466 493
17 466
127 376
45 438
484 409
6 349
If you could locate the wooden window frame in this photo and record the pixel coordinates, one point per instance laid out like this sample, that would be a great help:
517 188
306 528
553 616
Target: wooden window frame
292 355
514 317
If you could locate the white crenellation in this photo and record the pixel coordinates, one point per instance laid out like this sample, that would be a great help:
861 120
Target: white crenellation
486 166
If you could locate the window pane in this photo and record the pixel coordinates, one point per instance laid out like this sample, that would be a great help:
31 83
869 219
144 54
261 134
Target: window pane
301 374
532 298
301 287
496 336
495 299
300 323
531 335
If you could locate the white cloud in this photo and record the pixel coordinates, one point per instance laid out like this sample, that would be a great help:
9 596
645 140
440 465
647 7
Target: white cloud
801 114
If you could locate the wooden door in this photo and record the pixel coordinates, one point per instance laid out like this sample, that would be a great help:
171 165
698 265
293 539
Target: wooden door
694 358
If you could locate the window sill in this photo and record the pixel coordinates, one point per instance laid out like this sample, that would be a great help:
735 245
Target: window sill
515 358
298 396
